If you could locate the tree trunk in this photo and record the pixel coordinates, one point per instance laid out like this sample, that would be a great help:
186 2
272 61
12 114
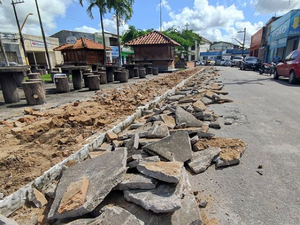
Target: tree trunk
123 76
155 71
9 88
118 34
34 93
136 71
103 36
94 82
103 77
19 78
85 75
77 79
34 76
142 72
62 84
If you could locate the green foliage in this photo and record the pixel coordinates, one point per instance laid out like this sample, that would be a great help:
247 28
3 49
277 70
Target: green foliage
100 4
186 38
133 33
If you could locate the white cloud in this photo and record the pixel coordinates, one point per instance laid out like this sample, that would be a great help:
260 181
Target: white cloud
109 26
49 11
164 4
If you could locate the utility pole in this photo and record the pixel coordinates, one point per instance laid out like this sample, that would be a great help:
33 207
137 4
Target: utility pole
3 52
244 42
160 17
43 34
19 29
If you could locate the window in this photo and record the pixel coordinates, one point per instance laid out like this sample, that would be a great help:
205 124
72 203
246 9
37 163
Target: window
193 47
294 55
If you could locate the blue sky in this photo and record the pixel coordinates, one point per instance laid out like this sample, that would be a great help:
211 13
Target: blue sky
215 20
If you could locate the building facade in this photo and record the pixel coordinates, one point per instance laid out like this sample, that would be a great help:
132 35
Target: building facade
257 42
284 35
35 50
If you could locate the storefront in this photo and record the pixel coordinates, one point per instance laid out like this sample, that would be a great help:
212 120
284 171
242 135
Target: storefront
256 44
284 35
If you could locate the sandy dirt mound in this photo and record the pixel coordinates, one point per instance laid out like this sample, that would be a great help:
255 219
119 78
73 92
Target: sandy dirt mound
32 144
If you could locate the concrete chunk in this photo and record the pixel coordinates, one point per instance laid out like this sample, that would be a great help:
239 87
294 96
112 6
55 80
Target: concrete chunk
176 147
37 198
168 120
6 221
111 215
133 143
136 181
158 130
169 172
183 116
166 198
175 98
202 159
135 163
199 106
103 172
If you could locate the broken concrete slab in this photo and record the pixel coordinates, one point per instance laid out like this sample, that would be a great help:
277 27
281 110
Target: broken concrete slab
103 173
189 130
215 125
133 143
183 116
136 125
7 221
169 172
175 98
176 147
36 197
136 181
153 118
105 147
111 136
228 157
168 120
110 215
194 139
207 101
188 99
165 198
135 163
202 159
158 130
146 141
205 134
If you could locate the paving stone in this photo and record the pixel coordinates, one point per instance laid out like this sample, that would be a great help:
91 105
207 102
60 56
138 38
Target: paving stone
188 99
137 156
165 198
169 172
135 163
189 130
7 221
158 130
183 116
168 120
111 136
202 159
133 143
136 125
194 139
153 118
176 147
36 197
105 147
215 125
207 101
228 157
205 134
182 92
136 181
146 141
117 143
111 215
175 98
103 173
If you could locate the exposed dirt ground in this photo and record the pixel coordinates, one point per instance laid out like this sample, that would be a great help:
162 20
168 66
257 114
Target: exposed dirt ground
34 143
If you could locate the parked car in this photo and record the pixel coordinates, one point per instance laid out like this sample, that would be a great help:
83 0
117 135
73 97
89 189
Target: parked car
227 62
236 61
290 67
222 62
250 63
210 62
199 63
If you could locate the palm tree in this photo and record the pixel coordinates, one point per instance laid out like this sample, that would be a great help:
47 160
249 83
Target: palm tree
102 6
123 12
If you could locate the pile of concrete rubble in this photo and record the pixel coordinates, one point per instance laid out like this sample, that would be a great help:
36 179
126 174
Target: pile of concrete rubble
140 176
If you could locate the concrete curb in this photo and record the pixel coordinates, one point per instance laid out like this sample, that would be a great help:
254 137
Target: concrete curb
17 200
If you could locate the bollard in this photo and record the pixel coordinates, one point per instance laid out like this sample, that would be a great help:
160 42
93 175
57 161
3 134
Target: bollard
149 70
142 73
117 75
155 71
136 71
123 77
94 82
103 77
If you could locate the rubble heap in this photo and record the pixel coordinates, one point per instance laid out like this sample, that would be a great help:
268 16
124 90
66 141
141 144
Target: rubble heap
140 176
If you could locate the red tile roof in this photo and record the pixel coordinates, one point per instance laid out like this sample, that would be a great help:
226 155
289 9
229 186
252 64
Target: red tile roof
153 38
82 43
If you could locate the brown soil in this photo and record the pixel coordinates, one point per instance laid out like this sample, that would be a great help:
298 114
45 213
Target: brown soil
32 144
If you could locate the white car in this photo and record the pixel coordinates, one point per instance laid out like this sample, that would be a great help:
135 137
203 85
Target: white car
236 61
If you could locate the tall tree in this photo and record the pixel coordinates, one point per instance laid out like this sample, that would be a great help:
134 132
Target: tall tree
123 12
133 33
102 6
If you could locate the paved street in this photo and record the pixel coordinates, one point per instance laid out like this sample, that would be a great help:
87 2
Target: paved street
268 120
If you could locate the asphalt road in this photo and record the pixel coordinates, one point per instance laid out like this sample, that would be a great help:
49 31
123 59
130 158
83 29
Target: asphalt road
267 113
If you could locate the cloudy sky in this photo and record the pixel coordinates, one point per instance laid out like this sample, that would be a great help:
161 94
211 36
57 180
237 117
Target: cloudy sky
214 20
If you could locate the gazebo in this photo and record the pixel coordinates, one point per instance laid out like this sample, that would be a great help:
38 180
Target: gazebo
155 48
83 52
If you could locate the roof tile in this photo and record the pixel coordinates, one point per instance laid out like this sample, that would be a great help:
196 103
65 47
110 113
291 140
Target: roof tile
153 38
82 43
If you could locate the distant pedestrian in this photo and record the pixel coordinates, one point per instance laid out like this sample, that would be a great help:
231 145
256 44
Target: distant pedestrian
276 59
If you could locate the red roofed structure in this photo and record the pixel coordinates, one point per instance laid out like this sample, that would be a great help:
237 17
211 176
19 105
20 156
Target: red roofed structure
83 51
155 48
